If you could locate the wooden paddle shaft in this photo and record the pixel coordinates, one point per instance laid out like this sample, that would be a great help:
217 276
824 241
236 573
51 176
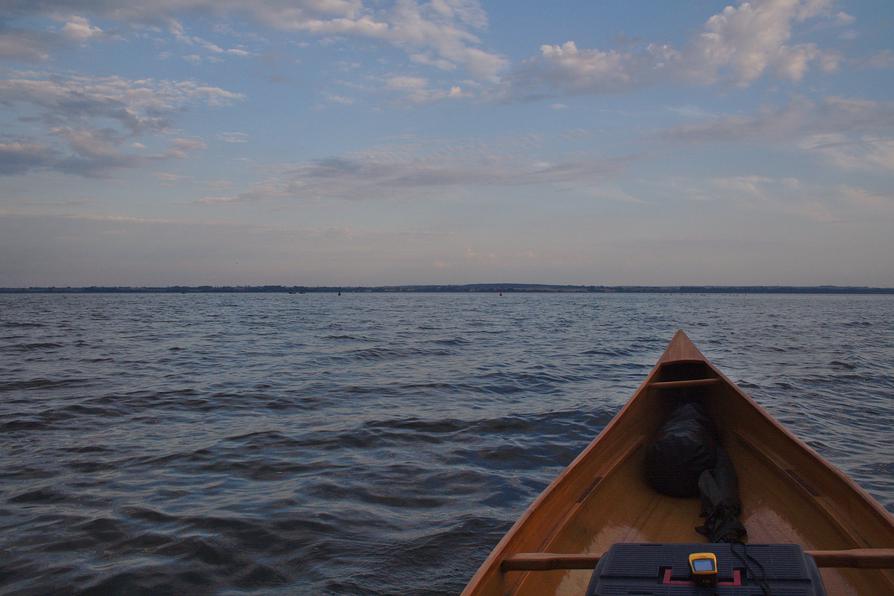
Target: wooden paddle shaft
862 558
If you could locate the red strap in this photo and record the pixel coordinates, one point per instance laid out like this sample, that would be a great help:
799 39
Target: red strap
668 575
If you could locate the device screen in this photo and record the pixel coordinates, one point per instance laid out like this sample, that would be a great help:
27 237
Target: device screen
703 565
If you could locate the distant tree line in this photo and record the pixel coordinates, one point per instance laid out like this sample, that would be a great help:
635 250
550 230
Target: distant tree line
467 288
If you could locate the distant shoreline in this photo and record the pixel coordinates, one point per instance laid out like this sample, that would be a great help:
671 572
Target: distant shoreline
464 288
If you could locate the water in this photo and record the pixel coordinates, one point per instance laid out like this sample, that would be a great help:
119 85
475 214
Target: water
365 443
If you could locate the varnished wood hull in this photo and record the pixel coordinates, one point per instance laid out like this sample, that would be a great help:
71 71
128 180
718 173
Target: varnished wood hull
789 493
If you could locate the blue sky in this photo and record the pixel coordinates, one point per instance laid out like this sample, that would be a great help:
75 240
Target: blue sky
349 142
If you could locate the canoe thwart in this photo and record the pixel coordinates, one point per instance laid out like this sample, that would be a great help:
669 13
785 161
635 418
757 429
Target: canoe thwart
860 558
684 383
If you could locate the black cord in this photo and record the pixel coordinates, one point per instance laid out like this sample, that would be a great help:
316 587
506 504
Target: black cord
762 580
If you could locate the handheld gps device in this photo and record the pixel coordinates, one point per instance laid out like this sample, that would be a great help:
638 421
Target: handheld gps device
703 568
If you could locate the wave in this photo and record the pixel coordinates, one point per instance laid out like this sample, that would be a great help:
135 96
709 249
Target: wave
41 383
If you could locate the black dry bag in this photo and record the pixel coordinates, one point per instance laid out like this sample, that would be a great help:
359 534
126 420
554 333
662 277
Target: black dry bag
684 447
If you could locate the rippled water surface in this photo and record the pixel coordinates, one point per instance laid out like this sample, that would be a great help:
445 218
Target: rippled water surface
368 443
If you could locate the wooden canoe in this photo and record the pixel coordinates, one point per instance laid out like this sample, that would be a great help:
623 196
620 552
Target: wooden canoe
789 495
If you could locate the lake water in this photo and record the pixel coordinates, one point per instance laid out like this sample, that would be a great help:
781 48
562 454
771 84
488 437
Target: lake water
368 443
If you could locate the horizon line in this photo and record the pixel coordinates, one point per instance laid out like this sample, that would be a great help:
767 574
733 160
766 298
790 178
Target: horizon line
456 288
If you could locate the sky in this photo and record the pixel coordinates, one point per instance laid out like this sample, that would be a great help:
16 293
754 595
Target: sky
371 142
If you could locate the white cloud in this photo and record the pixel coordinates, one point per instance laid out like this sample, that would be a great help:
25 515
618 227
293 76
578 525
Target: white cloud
752 38
843 18
340 99
233 137
417 90
138 104
79 29
581 70
404 83
440 32
740 44
88 121
36 45
176 29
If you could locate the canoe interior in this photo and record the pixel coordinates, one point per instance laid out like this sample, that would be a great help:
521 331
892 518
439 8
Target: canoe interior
788 493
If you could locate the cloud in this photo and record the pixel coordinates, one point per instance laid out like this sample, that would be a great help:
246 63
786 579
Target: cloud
176 29
183 146
36 45
418 170
882 60
798 118
79 29
93 151
442 30
439 32
739 44
217 200
233 137
170 177
851 134
789 196
138 105
750 186
867 199
339 99
863 152
24 45
843 18
578 71
89 121
417 90
97 152
752 38
770 195
17 157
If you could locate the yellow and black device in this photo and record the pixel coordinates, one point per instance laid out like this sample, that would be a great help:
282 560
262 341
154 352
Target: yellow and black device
703 568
